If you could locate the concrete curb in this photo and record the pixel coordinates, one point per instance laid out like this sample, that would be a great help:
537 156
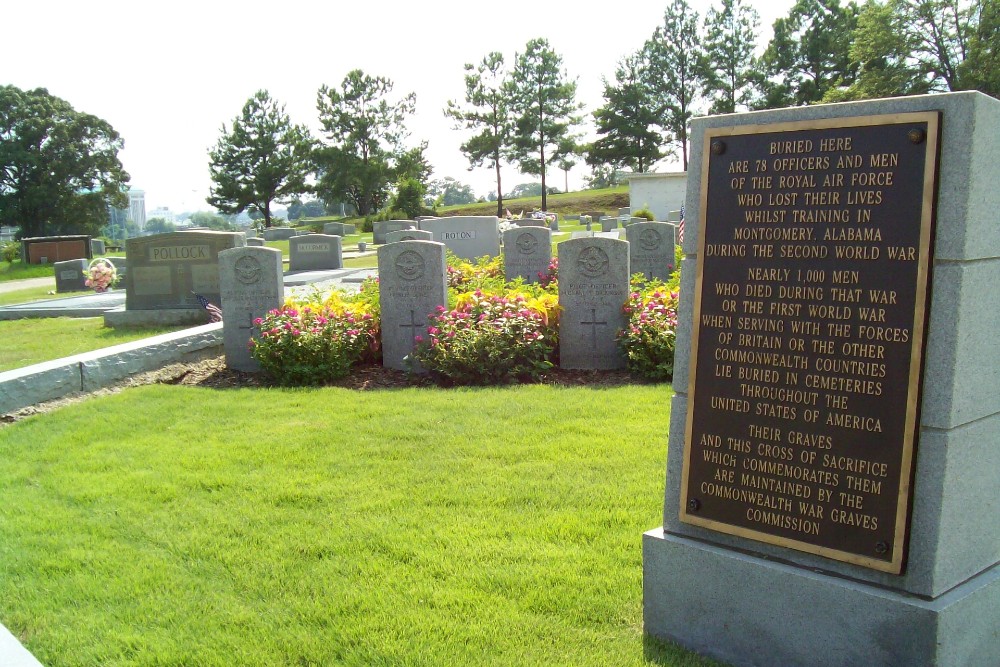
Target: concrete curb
22 387
12 654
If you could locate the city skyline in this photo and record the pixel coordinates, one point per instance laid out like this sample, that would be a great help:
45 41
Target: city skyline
168 84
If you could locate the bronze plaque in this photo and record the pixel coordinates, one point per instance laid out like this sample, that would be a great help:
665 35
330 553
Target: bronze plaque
808 333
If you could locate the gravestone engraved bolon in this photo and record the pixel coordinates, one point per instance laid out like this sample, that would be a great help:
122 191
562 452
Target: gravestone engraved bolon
315 252
164 269
593 288
833 443
412 284
527 252
251 284
469 237
651 249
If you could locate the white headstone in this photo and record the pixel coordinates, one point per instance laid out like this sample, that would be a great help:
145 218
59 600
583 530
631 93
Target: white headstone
251 284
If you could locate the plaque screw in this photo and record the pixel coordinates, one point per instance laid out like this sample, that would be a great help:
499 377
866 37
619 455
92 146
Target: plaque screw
881 548
718 147
916 135
694 504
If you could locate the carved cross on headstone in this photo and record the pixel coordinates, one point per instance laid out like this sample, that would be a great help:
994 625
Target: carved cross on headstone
593 326
412 326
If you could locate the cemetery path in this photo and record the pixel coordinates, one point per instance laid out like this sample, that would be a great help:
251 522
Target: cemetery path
27 283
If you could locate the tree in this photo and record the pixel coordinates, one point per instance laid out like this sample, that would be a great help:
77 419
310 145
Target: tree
728 67
981 69
449 192
627 122
409 197
364 131
673 55
312 208
529 190
488 112
604 176
262 158
59 168
160 226
543 103
809 54
210 220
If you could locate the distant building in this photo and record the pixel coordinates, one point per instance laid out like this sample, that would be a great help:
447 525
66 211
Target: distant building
137 207
162 212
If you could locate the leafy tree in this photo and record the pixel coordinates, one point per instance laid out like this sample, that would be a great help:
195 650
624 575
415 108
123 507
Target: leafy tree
59 167
413 164
160 226
364 131
627 122
409 197
809 54
728 67
210 220
543 102
673 55
529 190
604 176
312 208
449 192
981 69
488 113
261 158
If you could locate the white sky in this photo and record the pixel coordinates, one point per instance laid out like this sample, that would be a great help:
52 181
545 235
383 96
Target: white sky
168 75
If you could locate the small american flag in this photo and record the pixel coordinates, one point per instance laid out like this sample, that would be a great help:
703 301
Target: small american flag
214 312
680 227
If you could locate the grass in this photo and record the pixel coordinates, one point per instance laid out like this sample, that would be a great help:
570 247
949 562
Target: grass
31 294
19 271
173 526
32 341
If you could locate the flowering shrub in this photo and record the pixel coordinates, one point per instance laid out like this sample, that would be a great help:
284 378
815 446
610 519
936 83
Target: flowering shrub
650 334
490 339
485 273
313 343
101 275
550 279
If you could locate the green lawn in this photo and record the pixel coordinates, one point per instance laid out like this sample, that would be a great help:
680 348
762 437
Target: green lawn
20 271
31 294
173 525
31 341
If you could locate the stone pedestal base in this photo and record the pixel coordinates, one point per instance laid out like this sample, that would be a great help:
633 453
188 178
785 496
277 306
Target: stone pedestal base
749 611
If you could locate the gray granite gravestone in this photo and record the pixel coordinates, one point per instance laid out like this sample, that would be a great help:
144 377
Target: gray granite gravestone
607 224
593 288
412 284
626 211
315 252
164 269
382 227
70 275
408 235
121 267
97 247
873 544
526 253
251 285
279 233
530 222
469 237
651 249
254 241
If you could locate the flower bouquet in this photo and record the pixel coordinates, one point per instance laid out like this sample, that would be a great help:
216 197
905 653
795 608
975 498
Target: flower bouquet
101 275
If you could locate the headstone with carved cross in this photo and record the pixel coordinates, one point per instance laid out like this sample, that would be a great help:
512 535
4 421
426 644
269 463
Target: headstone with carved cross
593 288
412 284
527 252
651 249
251 284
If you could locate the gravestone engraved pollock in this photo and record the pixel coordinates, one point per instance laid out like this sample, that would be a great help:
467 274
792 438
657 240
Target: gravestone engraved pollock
527 252
808 334
651 249
251 284
593 287
412 284
164 269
